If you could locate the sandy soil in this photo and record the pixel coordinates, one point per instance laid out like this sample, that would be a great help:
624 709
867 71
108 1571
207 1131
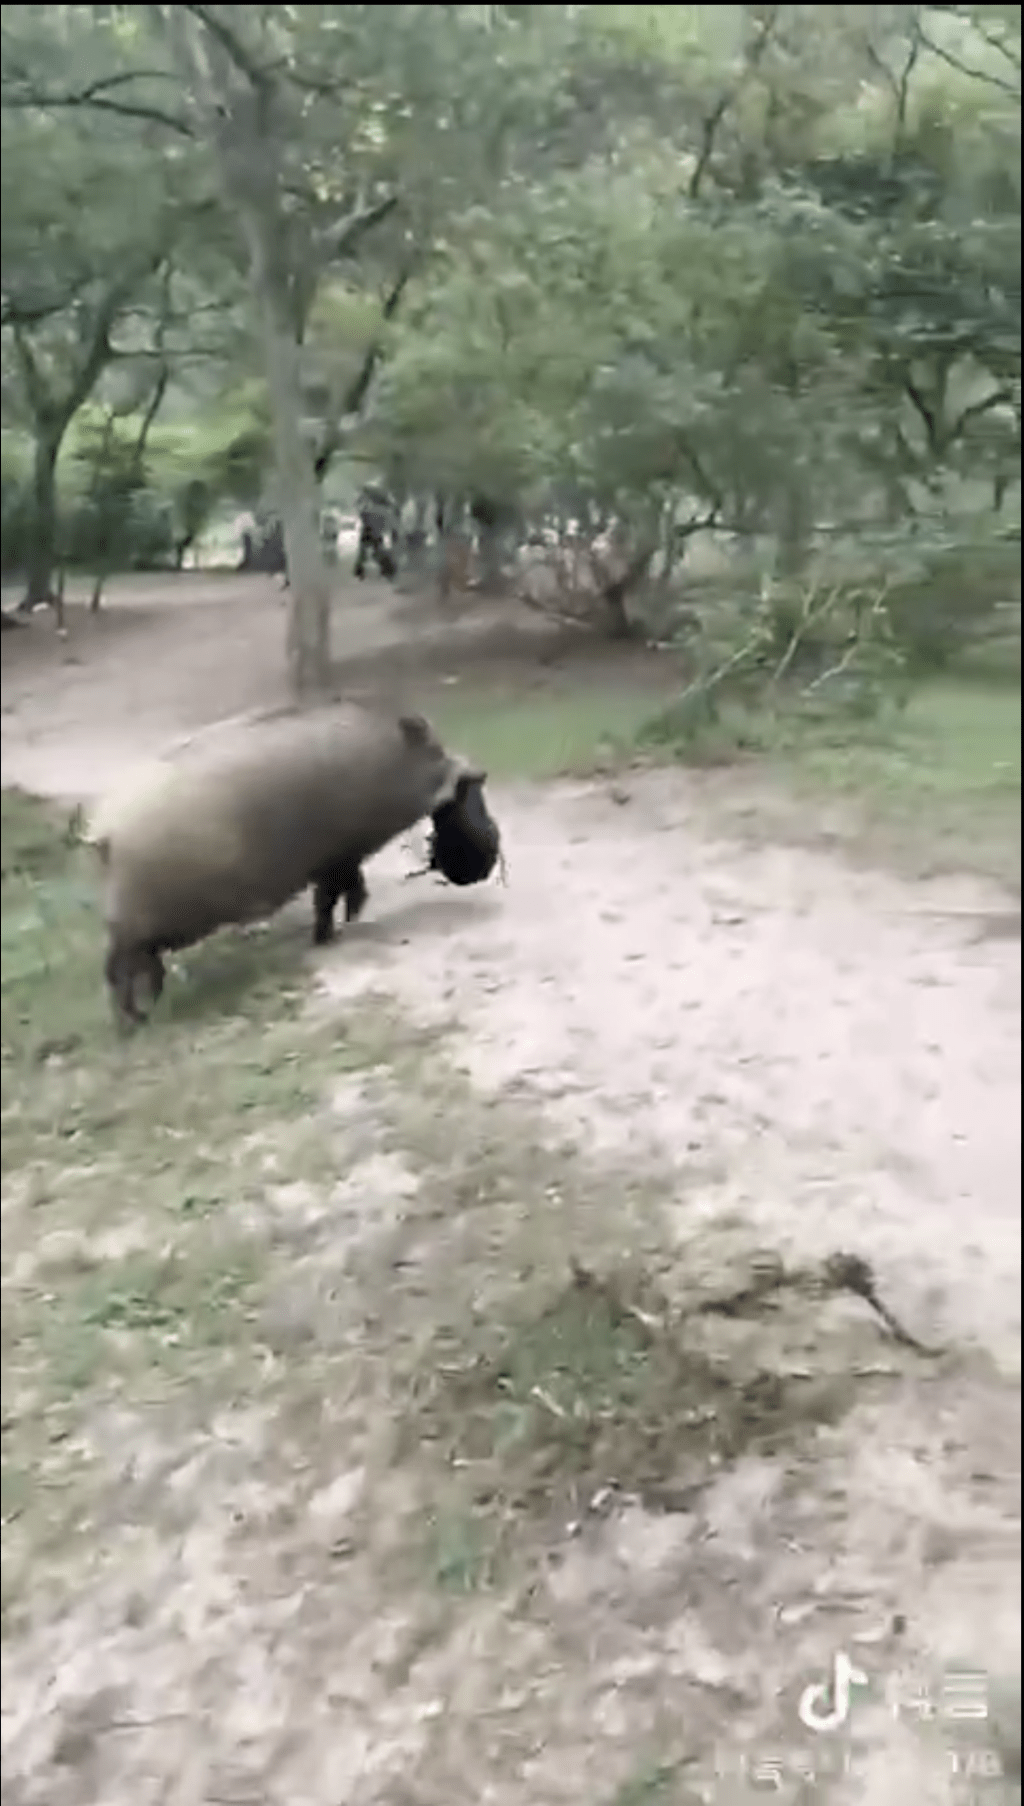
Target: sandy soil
825 1058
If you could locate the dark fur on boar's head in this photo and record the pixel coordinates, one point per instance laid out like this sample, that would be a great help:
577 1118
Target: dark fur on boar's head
465 845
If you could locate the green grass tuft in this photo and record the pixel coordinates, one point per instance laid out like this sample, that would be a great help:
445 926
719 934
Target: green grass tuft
546 733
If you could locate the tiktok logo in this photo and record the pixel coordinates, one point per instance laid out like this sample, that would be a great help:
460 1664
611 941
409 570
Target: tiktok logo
824 1708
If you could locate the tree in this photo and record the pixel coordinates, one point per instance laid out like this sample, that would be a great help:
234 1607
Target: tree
92 219
751 269
61 318
326 125
342 140
737 327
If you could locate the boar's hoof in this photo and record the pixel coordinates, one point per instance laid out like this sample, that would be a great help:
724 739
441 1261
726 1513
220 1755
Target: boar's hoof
346 881
323 926
129 971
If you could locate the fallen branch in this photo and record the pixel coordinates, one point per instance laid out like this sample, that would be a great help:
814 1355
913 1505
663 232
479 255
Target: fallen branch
851 1273
840 1273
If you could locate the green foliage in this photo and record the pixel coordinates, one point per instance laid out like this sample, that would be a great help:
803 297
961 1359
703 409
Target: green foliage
751 272
16 516
117 511
792 652
953 595
117 277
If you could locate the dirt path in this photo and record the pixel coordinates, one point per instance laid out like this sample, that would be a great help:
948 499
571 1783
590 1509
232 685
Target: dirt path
167 654
806 1059
820 1060
809 1046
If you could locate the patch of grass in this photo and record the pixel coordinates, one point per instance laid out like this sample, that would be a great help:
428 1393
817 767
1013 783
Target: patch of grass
51 935
939 780
934 784
521 1386
545 733
654 1784
597 1389
54 997
36 841
141 1248
946 775
460 1550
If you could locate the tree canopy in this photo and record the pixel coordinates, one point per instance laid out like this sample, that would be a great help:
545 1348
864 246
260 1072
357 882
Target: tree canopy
750 269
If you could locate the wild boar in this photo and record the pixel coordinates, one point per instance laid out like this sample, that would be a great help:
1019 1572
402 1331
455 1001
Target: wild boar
232 824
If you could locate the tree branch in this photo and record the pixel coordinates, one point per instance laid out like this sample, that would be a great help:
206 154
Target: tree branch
99 353
900 84
710 490
978 409
926 412
95 96
997 43
338 241
14 313
710 125
35 387
231 43
980 75
160 388
357 390
698 523
708 131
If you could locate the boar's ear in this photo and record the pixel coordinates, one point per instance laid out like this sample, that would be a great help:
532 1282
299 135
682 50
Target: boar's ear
416 730
467 779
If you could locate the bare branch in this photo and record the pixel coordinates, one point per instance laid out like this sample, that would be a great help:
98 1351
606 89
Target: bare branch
58 410
698 523
708 132
99 352
1000 44
96 96
104 83
900 84
35 388
978 409
231 43
710 125
708 488
925 411
163 376
15 313
980 75
340 240
357 391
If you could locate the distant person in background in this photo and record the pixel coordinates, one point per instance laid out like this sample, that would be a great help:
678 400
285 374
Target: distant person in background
263 549
376 526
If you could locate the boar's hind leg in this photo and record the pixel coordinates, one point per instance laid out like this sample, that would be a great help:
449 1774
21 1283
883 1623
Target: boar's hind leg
124 968
339 881
356 894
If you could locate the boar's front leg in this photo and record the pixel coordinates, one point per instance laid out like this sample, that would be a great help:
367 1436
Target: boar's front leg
124 969
346 881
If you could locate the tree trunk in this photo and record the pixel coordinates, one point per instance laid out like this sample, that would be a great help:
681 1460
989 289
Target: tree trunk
794 532
43 550
247 135
414 547
620 626
491 560
298 497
